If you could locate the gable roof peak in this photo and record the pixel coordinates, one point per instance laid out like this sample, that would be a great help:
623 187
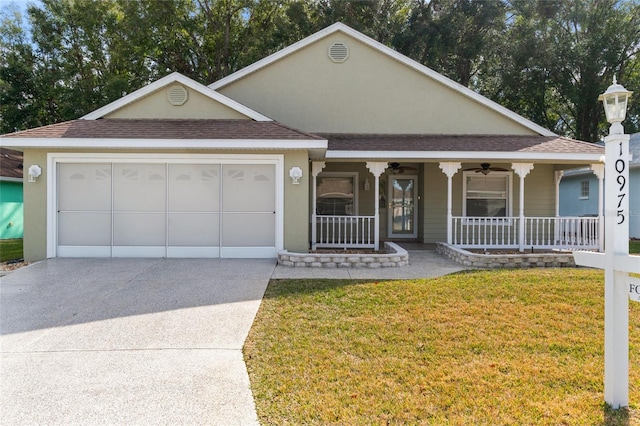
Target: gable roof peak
385 50
174 77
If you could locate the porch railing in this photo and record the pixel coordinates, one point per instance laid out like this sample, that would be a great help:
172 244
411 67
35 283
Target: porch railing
539 232
344 231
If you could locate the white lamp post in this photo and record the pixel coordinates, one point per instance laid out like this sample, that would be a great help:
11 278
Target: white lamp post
615 261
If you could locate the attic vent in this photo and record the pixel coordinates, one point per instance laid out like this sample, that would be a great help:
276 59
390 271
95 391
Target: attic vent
338 52
177 95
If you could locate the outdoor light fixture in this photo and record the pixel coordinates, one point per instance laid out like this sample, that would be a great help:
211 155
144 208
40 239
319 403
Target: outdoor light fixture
367 185
34 172
615 106
295 174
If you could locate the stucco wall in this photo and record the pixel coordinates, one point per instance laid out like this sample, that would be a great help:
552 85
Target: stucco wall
369 93
11 215
156 105
35 208
296 208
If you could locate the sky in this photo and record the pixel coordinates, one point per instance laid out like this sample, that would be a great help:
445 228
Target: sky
21 3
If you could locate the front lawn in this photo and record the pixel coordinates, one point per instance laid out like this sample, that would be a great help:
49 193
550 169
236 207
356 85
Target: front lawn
486 347
10 250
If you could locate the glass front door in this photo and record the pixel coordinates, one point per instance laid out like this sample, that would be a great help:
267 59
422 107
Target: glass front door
402 212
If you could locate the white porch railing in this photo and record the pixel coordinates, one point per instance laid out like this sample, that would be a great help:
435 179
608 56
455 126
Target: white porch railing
539 232
344 231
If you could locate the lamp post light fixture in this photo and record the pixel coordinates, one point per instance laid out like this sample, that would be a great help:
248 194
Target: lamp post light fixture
615 106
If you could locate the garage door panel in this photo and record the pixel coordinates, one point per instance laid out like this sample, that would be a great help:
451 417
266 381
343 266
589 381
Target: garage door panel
195 230
166 209
194 187
248 188
139 229
248 229
139 187
87 186
84 229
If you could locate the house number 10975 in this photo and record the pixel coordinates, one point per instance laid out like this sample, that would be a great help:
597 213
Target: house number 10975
621 165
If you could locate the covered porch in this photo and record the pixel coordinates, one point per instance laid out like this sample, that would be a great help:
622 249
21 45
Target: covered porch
462 207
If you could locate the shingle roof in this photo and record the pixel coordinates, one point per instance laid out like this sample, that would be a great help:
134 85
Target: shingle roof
10 163
459 143
165 129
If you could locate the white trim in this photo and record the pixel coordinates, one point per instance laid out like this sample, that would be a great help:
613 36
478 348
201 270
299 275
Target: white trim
509 194
106 143
248 252
138 251
464 155
84 251
165 81
391 53
119 251
11 179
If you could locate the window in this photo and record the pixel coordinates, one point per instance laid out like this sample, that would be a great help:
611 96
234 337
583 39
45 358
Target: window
336 195
584 190
487 195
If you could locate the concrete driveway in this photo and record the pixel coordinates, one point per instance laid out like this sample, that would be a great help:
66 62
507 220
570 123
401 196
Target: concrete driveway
128 341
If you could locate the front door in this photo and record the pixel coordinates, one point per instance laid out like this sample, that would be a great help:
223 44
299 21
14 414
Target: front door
402 214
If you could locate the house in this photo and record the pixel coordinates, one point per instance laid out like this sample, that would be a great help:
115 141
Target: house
579 190
334 141
11 225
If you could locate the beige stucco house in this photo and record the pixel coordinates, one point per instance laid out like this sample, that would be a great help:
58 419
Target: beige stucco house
335 141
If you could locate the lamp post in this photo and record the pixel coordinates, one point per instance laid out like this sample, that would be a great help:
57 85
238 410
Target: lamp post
615 261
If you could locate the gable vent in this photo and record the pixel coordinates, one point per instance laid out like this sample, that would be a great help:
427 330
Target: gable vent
338 52
177 95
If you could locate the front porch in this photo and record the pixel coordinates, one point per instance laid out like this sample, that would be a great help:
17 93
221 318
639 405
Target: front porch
515 232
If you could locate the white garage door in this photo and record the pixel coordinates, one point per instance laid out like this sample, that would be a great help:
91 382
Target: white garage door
166 210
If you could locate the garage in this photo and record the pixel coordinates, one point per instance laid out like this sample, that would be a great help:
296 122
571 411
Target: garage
173 207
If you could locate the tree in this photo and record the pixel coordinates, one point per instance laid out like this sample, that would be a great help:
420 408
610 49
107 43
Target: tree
18 88
453 37
561 55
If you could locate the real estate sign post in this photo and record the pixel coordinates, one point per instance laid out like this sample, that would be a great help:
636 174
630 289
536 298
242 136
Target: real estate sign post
617 264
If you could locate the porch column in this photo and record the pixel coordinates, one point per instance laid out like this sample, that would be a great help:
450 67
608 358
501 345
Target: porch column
522 170
316 167
376 169
558 176
556 227
449 169
598 170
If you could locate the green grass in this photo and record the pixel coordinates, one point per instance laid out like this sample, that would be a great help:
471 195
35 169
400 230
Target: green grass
488 347
10 250
634 246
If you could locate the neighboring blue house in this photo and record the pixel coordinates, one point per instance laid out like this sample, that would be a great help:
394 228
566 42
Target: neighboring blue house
11 206
579 190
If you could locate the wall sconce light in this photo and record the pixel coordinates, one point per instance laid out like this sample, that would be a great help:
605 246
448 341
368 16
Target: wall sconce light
367 185
34 172
295 174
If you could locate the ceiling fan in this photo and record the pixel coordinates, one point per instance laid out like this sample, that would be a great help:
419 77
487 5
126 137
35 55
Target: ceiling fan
397 168
485 168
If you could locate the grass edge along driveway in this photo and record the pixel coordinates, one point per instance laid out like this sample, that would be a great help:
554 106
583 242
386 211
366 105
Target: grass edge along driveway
482 347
